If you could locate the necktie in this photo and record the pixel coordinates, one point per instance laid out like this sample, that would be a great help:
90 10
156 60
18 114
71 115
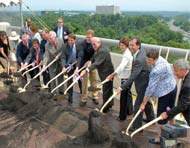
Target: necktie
59 32
37 57
55 45
72 56
73 53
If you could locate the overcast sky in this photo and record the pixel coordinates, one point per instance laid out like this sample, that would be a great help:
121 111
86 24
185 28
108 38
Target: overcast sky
127 5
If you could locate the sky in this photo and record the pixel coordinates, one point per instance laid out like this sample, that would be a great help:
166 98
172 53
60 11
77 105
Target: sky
127 5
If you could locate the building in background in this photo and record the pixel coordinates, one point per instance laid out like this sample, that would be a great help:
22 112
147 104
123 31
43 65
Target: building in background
108 9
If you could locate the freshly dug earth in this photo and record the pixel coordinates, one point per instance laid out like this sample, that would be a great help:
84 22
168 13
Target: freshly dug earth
33 119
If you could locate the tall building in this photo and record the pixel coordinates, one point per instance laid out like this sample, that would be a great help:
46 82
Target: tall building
108 9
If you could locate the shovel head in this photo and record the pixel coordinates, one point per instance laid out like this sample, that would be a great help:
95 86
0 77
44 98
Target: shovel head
17 74
8 82
4 75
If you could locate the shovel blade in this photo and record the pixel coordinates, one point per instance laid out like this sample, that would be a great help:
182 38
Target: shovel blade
17 74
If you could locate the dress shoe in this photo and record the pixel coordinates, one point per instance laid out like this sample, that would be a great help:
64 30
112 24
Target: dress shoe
153 141
95 101
132 129
70 99
119 119
106 110
82 104
146 120
61 92
91 88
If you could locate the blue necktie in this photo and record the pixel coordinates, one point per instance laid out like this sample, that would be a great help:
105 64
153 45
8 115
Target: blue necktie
73 53
72 56
59 32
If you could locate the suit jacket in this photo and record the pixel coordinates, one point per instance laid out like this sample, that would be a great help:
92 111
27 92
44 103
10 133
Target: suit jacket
85 54
184 99
66 53
42 48
31 57
51 52
102 62
65 32
139 74
22 51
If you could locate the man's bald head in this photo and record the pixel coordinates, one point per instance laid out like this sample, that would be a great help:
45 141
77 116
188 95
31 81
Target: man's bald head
52 36
96 43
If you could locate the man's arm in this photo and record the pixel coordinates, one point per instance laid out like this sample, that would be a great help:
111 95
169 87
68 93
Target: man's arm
98 60
184 103
137 68
46 56
29 57
18 54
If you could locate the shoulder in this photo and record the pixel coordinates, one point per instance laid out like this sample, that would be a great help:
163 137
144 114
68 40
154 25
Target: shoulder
1 44
83 43
127 54
55 28
187 80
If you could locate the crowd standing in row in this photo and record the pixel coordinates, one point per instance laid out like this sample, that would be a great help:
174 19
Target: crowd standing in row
151 73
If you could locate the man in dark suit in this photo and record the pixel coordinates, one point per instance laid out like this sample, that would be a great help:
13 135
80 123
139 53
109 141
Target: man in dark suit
61 30
53 50
45 36
85 54
140 76
27 28
23 49
181 70
68 56
101 60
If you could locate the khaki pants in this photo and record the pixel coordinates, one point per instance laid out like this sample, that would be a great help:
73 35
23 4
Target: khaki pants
3 63
93 82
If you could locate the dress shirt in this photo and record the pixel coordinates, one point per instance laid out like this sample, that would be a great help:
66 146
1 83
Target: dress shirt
37 56
59 32
161 79
124 69
135 54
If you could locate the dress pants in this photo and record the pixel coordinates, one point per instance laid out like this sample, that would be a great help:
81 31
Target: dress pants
126 103
148 108
93 82
107 93
55 69
46 77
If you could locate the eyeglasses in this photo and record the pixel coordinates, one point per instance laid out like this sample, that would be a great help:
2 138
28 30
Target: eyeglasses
59 22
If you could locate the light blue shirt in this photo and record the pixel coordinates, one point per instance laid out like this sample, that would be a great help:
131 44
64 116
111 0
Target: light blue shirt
161 79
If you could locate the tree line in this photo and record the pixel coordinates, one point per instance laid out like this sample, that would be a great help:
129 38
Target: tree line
149 28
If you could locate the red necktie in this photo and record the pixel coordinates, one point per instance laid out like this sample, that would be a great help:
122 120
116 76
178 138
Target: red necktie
55 45
37 57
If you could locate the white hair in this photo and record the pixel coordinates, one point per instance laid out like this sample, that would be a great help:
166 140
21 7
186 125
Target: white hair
96 39
52 33
182 64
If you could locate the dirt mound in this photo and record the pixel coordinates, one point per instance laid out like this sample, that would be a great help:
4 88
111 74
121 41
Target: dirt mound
33 119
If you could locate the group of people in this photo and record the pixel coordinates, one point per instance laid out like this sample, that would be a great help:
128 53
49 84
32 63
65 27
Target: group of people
152 75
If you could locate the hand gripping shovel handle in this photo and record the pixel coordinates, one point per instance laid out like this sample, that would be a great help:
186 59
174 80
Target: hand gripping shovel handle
59 74
103 82
76 80
30 70
108 101
136 115
146 125
38 74
46 67
25 67
67 79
